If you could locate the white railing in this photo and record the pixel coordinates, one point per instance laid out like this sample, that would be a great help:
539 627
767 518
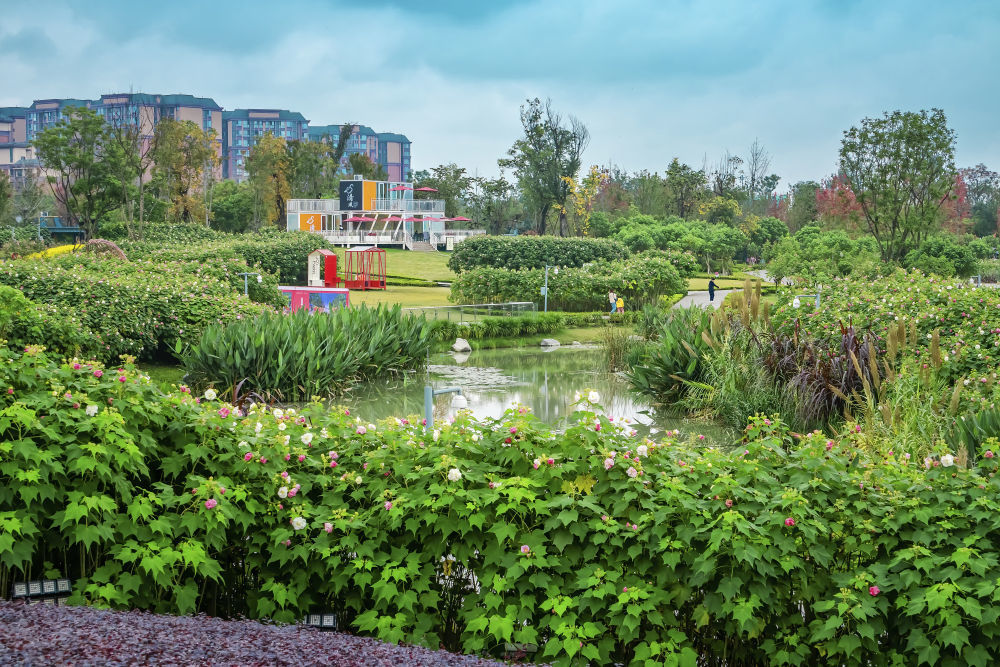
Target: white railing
364 237
439 238
313 205
410 205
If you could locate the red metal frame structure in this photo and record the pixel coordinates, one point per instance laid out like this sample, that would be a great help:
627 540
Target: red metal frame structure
364 268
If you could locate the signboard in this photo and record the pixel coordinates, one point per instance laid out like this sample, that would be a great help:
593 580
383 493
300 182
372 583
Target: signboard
350 195
310 222
449 242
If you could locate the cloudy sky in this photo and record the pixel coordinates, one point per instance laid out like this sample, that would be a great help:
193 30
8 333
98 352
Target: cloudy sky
652 79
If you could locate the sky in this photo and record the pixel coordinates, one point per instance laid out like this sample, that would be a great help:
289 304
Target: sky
651 79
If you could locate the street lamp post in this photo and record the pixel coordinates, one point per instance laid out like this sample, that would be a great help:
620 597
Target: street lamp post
796 303
545 289
246 285
459 402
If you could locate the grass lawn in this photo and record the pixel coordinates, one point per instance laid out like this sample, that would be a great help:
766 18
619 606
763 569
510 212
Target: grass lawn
701 284
163 373
409 264
407 297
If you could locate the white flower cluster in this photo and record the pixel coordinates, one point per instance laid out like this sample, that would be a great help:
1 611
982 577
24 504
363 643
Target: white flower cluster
454 475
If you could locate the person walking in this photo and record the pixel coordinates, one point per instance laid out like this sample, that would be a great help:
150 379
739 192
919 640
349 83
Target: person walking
620 305
711 290
613 298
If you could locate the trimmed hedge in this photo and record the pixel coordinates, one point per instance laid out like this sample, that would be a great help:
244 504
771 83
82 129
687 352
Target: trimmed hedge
24 322
532 252
589 542
136 308
639 281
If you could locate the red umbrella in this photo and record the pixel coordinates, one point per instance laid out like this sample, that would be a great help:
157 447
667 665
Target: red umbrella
399 188
425 189
411 219
364 219
355 218
461 219
393 218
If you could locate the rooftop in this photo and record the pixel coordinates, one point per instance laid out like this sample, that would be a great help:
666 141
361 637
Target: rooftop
263 114
61 103
393 136
10 113
148 99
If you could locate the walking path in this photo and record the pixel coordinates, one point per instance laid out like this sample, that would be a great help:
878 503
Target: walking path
700 298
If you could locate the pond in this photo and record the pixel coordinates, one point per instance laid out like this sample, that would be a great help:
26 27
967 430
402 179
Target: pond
545 381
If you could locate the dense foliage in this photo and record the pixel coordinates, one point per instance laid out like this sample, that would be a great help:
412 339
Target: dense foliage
477 534
23 322
639 281
531 252
295 356
136 308
284 254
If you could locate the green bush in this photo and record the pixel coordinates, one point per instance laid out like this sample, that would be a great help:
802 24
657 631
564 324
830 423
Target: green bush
135 308
674 360
284 254
531 252
299 355
499 327
589 543
23 322
639 281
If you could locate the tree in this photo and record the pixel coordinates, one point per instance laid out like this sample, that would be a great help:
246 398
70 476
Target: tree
6 195
361 165
184 154
83 161
983 195
685 188
582 197
310 168
836 203
724 176
901 168
755 169
649 193
233 207
137 151
546 154
268 168
803 208
452 185
492 203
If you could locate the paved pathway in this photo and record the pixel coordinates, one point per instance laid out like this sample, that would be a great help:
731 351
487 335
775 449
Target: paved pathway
700 298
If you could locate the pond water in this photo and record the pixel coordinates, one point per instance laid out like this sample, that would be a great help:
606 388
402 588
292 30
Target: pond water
545 381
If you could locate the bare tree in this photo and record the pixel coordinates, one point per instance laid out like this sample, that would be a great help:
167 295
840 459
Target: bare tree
134 138
29 200
757 163
723 178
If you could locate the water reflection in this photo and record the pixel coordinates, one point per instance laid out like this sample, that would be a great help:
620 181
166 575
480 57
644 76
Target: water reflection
495 380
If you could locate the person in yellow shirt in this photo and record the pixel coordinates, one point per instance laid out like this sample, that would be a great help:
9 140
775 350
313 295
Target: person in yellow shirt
620 304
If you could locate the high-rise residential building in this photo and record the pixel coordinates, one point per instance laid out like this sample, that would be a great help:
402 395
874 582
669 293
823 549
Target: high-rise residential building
242 128
43 114
16 155
394 155
13 125
147 110
388 149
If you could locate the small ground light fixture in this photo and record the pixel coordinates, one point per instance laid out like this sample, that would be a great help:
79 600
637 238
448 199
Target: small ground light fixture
324 621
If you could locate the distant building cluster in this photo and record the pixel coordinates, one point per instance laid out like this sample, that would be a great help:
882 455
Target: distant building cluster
238 130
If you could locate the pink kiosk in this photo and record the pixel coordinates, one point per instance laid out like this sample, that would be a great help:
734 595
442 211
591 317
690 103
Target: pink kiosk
322 293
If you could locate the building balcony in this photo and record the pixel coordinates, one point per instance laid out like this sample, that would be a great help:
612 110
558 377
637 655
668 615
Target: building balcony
410 205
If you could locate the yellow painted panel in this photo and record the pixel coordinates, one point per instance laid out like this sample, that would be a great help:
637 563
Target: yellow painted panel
368 195
310 222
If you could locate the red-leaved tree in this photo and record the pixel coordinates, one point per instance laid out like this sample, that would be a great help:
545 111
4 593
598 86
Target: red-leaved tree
836 202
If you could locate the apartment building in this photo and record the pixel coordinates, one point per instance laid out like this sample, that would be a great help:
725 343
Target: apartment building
242 128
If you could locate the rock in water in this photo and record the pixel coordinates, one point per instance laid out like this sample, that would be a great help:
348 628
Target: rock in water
462 345
549 342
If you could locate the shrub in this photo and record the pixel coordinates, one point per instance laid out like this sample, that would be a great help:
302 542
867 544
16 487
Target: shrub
284 254
141 309
531 252
499 327
499 531
296 356
674 360
639 282
23 322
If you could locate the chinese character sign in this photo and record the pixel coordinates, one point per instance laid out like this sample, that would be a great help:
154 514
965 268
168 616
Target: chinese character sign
350 195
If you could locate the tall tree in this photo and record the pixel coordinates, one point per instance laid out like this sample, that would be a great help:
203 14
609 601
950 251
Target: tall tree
340 146
6 196
184 154
725 174
452 185
492 203
686 188
901 168
548 152
361 165
310 168
649 193
983 193
82 160
803 208
131 138
268 168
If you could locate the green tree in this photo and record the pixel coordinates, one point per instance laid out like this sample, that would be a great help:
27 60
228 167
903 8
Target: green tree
268 168
542 159
361 165
686 188
649 193
184 156
310 167
492 203
6 196
232 207
452 184
83 160
901 168
983 194
803 208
